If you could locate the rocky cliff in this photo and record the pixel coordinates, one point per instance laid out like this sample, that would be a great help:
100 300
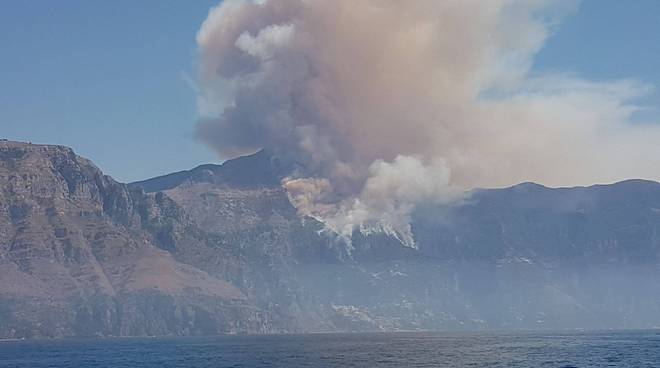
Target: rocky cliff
219 249
81 254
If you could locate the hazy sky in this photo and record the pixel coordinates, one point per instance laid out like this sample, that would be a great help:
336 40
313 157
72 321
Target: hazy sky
111 78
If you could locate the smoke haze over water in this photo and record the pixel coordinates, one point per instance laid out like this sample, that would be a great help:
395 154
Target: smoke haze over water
392 103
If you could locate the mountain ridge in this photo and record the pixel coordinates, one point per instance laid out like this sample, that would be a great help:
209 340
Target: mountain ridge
264 170
225 252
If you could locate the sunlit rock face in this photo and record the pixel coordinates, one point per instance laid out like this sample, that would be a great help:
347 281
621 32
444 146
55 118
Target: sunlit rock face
220 249
82 255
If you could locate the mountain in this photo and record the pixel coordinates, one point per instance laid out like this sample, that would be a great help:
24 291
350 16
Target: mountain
259 170
83 255
219 249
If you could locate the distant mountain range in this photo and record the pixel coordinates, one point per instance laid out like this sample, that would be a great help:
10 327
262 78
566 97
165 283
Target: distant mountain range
219 249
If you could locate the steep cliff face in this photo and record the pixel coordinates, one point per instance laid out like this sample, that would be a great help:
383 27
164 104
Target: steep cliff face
219 249
81 254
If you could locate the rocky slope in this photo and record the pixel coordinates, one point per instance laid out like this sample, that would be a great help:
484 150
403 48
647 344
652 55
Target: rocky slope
525 257
81 254
219 249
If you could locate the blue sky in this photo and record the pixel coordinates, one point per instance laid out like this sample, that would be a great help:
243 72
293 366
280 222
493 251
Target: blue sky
109 78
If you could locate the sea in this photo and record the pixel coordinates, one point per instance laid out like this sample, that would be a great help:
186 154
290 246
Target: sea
493 350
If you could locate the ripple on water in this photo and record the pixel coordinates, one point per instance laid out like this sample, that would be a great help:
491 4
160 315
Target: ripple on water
494 350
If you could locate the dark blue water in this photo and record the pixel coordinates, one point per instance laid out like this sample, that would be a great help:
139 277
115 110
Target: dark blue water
610 349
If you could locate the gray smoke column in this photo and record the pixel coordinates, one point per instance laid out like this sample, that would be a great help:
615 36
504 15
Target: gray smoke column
393 103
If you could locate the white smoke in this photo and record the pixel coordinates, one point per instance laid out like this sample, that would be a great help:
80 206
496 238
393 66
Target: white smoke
393 103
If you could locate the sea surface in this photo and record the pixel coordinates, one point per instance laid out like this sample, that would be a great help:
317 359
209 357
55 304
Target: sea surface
593 349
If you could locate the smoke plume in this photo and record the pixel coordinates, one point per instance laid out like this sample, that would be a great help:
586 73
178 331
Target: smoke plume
392 103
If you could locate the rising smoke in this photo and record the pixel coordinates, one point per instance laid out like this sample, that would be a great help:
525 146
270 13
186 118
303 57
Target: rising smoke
393 103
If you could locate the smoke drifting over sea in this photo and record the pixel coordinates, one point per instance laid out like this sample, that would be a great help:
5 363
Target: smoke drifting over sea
392 103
